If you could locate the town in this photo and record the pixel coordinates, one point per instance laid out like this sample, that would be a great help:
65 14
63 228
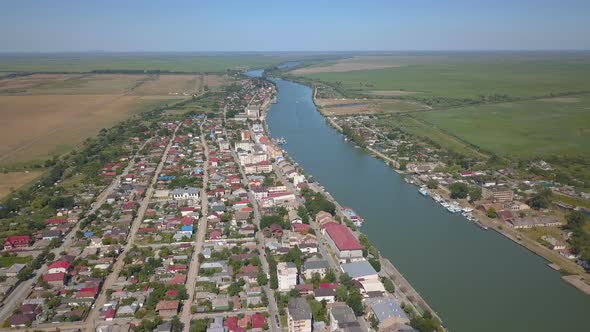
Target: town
198 222
519 202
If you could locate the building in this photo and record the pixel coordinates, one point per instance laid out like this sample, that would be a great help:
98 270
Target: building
167 308
387 311
181 194
287 275
360 270
344 243
18 242
498 194
530 222
342 318
312 266
299 315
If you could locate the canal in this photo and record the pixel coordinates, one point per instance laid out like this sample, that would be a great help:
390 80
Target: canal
476 280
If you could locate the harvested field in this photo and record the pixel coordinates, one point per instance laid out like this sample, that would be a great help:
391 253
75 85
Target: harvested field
345 65
13 180
100 84
365 106
214 82
39 126
24 84
392 93
176 85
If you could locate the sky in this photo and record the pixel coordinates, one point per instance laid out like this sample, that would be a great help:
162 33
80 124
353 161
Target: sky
302 25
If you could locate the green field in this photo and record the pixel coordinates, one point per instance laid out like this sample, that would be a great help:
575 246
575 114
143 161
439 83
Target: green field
464 76
9 261
166 62
535 128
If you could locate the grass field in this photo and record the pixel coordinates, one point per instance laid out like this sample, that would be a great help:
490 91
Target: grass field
11 260
13 180
535 128
468 76
423 130
171 85
364 106
181 62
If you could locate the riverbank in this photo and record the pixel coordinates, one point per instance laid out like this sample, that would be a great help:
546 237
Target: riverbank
409 295
470 276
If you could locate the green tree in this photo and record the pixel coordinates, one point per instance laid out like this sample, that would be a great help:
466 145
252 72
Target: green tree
542 199
474 193
432 184
459 190
355 301
492 213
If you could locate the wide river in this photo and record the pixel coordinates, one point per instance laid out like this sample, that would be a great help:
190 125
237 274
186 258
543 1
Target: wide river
476 280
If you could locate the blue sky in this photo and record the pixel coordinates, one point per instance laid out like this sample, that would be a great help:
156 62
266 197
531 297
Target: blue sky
250 25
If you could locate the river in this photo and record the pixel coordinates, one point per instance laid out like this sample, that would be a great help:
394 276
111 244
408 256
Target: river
476 280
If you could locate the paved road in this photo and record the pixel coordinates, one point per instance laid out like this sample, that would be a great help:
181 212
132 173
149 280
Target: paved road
272 308
119 264
22 290
193 272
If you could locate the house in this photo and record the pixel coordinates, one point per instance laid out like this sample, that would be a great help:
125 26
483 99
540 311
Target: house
18 242
342 318
301 228
344 243
21 320
59 266
325 294
530 222
360 270
553 243
55 279
312 266
167 308
180 194
387 311
287 275
497 194
299 315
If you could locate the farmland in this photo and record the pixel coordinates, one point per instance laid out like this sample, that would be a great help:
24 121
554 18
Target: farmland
44 115
535 128
364 106
464 76
180 62
12 180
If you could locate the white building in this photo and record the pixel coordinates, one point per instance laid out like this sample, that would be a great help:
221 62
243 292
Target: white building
287 275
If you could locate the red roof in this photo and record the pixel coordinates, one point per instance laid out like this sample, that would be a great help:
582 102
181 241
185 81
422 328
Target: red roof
110 313
56 221
167 305
343 237
59 265
258 321
301 228
177 280
49 277
18 239
172 293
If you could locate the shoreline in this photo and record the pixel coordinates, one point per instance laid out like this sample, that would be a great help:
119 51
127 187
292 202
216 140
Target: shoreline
578 279
411 295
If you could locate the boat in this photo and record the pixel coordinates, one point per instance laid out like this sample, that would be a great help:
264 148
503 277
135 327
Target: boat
281 141
482 226
423 191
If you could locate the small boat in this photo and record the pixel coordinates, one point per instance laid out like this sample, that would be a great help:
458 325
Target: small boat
482 226
423 191
281 141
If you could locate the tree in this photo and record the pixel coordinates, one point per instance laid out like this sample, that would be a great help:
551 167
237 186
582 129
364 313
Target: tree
388 284
355 301
375 263
492 213
261 278
330 276
459 190
341 293
542 199
474 194
432 184
575 220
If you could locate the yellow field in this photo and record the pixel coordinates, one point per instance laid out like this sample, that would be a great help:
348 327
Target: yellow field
39 126
365 106
352 64
43 115
12 180
177 85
